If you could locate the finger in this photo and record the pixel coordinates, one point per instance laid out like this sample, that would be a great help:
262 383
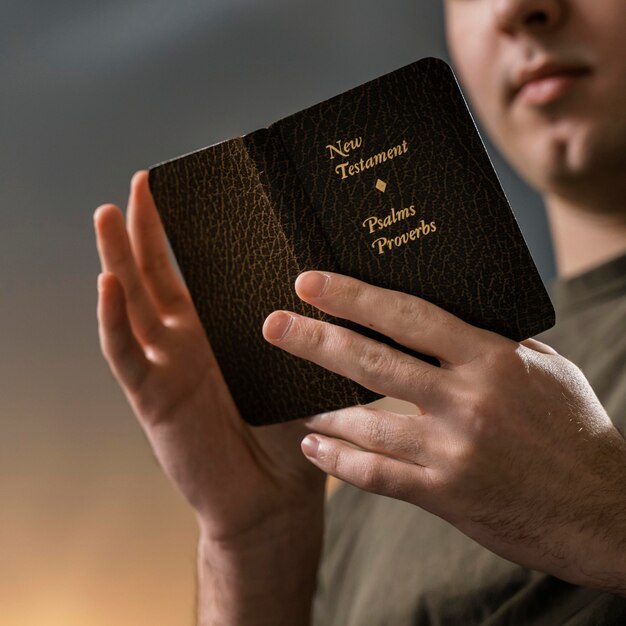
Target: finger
407 319
116 257
377 430
373 472
123 352
539 346
149 246
370 363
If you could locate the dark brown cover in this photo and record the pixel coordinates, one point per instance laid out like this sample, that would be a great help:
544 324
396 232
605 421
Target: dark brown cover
245 216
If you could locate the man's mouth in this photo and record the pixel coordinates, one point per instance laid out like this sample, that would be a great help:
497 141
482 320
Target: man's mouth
544 83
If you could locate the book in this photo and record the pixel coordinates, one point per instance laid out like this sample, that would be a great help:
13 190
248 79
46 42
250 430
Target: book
388 182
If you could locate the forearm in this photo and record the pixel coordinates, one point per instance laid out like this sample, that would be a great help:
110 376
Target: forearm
268 580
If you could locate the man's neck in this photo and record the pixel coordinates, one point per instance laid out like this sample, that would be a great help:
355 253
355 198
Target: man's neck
584 238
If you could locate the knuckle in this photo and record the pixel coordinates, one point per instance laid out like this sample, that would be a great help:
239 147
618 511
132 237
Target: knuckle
373 362
356 291
411 445
421 381
475 403
152 265
422 378
475 406
376 478
117 258
373 475
408 309
376 430
502 358
330 456
315 334
480 420
463 463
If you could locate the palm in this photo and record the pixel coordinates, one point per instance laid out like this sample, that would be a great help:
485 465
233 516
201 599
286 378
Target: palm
234 475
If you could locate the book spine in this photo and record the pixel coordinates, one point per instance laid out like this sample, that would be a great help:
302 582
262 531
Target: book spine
288 198
310 247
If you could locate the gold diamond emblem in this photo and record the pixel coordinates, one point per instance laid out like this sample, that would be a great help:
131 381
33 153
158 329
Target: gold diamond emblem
381 185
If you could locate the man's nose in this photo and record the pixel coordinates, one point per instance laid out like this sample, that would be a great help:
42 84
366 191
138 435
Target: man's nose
513 16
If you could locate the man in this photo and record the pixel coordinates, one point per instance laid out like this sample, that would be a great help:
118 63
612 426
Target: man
507 498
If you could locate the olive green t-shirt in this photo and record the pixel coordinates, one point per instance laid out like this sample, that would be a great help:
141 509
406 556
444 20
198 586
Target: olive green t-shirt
389 562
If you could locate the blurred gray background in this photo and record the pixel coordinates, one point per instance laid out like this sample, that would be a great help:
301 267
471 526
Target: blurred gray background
90 530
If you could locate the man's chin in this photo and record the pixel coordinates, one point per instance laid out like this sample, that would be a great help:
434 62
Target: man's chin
589 184
567 161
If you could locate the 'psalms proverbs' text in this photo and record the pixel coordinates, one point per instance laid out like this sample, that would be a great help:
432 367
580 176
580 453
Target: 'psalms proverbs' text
383 244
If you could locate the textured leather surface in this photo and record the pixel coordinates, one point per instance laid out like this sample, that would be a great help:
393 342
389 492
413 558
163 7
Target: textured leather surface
244 217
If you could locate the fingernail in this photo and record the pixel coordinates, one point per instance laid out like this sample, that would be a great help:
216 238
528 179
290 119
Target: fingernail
310 444
278 325
313 284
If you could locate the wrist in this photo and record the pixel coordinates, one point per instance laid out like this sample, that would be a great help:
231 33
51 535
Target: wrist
603 566
266 576
601 532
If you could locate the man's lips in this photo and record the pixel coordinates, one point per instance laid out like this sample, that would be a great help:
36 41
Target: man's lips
543 84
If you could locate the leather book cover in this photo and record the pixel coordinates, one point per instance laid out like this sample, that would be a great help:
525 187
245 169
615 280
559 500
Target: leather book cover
388 182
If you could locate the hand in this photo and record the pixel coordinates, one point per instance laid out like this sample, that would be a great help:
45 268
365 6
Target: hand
508 442
258 501
240 480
